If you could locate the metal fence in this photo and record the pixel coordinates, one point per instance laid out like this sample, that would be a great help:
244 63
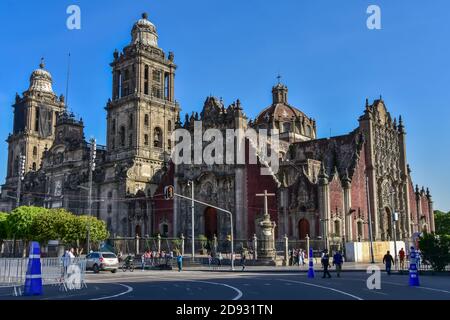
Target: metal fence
67 273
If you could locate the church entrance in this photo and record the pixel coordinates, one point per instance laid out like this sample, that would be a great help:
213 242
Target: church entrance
303 229
210 222
138 231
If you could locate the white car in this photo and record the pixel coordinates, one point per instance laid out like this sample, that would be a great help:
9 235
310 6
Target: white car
102 261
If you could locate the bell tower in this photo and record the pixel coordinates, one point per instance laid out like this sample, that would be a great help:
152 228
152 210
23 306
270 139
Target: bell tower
35 114
142 112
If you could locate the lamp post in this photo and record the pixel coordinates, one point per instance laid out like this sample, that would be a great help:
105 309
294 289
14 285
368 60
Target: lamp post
93 155
191 183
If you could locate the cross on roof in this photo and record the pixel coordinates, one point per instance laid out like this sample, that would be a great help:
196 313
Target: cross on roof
279 78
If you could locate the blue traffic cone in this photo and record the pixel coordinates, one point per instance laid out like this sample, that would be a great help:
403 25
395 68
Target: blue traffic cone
311 264
413 272
33 280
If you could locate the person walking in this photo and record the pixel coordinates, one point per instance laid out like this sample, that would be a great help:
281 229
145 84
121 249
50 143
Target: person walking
143 262
338 261
180 262
326 264
219 260
243 260
388 261
401 254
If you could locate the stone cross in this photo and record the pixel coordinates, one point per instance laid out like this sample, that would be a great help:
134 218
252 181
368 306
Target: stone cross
266 195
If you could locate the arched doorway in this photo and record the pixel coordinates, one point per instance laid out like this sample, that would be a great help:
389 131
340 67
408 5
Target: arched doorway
210 223
303 229
138 231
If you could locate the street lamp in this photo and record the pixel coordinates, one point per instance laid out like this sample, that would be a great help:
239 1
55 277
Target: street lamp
93 155
191 184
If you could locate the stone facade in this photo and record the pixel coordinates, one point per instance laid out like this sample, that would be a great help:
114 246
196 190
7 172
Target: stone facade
324 187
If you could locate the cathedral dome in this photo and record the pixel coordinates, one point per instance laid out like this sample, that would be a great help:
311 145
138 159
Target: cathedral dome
41 79
280 110
144 32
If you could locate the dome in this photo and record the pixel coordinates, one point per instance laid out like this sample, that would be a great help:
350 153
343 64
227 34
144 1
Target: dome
144 32
280 110
41 79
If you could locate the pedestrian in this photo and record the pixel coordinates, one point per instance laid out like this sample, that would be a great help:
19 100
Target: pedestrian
388 261
401 254
143 262
219 260
303 257
338 261
210 259
325 264
291 257
418 258
243 259
180 262
300 258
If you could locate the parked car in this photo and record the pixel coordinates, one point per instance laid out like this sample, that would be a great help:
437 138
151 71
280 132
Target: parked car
102 261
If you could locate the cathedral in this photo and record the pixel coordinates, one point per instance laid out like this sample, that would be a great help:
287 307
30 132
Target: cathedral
325 188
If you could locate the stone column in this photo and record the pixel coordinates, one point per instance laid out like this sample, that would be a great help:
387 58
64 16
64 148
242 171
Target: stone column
307 245
346 186
418 207
137 244
324 204
431 211
286 250
158 239
182 244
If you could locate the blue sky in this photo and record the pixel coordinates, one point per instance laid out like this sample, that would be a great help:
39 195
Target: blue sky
235 49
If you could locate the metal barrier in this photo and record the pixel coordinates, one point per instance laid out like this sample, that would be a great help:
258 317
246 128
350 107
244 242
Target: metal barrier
67 273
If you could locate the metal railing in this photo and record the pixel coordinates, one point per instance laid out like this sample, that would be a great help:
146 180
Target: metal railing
67 273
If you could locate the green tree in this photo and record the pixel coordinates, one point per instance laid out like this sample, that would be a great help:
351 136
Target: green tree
442 222
4 232
20 223
51 225
76 227
436 250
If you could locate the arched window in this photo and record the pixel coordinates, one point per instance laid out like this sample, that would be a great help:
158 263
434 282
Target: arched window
34 166
337 228
122 136
130 121
146 121
169 144
360 230
156 75
146 139
34 151
157 138
286 127
146 79
110 195
308 130
169 126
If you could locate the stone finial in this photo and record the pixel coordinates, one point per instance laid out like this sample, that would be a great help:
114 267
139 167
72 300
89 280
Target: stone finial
171 56
42 64
145 15
116 54
428 194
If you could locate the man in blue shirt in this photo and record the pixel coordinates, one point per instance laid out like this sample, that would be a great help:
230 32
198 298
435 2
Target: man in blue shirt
337 261
180 262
